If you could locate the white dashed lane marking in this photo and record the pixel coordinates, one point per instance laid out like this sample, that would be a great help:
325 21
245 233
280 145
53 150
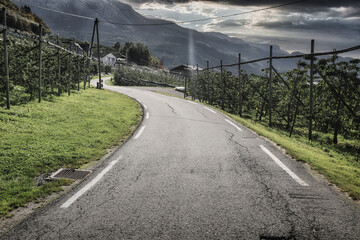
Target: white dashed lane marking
89 185
278 162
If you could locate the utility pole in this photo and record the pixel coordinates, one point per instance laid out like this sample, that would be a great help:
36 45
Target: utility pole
98 50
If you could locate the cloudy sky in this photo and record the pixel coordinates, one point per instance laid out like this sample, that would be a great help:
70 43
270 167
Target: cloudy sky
332 23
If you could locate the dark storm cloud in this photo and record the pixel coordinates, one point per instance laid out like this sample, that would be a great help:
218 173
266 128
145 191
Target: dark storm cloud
307 6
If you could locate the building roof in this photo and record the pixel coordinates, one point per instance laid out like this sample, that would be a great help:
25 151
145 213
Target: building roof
110 55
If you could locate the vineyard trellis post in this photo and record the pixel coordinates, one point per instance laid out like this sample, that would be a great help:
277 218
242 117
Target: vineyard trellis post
223 85
197 82
58 66
270 85
208 81
69 77
40 60
186 76
84 69
311 89
6 61
240 87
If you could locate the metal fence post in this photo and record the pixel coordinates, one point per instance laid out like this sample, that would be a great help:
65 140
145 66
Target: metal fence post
270 86
311 110
6 61
40 60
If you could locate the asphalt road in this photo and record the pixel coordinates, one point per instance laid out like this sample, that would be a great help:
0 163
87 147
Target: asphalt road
191 173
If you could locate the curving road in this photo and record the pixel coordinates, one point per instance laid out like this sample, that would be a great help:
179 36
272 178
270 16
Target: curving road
189 172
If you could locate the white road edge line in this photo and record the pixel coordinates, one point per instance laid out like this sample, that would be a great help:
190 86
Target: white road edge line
138 100
209 109
140 132
291 173
147 115
145 106
239 129
191 102
89 185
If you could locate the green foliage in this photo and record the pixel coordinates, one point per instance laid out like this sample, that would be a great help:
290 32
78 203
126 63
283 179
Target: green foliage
24 71
37 139
22 18
144 76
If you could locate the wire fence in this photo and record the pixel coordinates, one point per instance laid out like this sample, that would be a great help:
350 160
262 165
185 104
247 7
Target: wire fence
319 93
39 65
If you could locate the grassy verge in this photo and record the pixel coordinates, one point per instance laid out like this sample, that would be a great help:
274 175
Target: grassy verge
339 167
337 163
38 138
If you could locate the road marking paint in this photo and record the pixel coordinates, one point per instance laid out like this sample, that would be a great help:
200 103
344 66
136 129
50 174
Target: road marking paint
291 173
140 132
147 115
138 100
239 129
209 109
145 106
89 185
191 102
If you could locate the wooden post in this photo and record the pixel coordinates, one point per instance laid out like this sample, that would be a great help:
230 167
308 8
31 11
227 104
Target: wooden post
311 110
6 61
223 85
240 87
58 66
270 87
98 50
40 60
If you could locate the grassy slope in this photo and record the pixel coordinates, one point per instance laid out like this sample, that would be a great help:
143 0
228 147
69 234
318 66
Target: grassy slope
65 132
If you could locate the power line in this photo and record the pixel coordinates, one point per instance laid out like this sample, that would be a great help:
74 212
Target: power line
207 19
61 12
165 23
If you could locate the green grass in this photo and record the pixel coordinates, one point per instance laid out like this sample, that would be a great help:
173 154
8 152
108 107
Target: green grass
339 166
38 138
337 163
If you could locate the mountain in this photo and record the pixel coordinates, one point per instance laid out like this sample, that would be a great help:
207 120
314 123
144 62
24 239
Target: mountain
173 44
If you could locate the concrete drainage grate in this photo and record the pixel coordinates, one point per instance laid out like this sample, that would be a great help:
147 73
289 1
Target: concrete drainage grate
70 174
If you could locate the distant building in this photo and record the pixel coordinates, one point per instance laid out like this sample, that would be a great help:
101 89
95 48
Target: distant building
121 61
109 59
184 70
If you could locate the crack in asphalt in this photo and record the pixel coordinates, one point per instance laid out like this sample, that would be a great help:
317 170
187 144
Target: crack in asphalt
275 198
172 109
202 113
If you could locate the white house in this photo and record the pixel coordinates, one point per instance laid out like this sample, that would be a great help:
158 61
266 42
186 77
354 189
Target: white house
109 59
